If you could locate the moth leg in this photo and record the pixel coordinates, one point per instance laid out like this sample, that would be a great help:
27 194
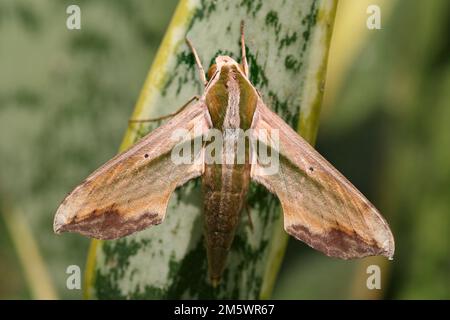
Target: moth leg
201 71
194 98
244 54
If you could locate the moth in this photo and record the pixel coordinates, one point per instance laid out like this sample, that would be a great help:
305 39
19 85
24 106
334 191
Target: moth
320 206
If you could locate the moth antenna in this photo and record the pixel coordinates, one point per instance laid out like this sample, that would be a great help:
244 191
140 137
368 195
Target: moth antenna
198 62
243 53
170 115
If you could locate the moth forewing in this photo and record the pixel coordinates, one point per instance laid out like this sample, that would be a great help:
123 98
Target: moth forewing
131 191
189 147
320 206
266 144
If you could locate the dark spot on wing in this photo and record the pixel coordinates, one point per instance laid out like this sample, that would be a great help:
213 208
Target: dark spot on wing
110 223
337 243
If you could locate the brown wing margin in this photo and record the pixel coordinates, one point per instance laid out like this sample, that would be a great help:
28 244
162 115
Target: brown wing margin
131 191
320 206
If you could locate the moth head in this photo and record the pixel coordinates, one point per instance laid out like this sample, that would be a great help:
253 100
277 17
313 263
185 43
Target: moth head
222 61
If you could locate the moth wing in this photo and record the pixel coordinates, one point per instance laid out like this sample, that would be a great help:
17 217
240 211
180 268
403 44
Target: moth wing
320 206
131 191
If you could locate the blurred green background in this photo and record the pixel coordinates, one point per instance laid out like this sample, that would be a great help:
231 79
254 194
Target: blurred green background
66 96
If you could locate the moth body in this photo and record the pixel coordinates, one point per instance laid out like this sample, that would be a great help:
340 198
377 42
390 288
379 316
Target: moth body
231 102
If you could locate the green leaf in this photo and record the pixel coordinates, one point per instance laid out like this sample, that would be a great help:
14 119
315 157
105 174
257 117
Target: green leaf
287 51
